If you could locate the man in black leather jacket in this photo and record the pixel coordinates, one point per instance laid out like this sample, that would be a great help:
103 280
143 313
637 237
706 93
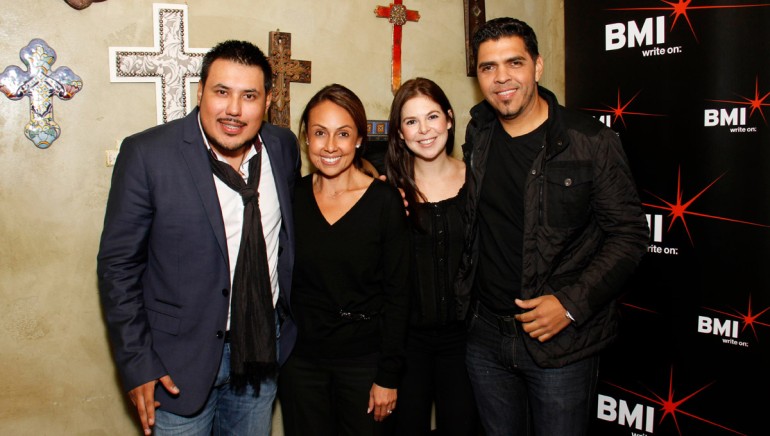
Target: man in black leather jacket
556 228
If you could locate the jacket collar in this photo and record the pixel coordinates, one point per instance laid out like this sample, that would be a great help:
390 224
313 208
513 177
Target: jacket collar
484 115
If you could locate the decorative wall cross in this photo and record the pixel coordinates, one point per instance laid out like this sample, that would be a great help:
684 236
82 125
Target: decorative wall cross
285 71
40 84
170 64
398 15
475 16
81 4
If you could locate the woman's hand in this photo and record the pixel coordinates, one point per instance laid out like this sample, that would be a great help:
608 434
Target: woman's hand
382 401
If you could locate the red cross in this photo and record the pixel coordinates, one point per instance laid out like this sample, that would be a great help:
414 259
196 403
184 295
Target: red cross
398 15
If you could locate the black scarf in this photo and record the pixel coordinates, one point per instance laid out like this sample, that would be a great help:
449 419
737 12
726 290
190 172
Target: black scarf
252 317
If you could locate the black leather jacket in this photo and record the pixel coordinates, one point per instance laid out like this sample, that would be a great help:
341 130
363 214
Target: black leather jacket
584 229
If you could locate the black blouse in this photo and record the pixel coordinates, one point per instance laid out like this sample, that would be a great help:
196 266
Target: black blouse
437 244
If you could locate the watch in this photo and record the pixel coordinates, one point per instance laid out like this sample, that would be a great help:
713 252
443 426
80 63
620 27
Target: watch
569 316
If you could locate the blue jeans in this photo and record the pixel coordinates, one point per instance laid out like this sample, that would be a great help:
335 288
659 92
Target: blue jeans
515 396
225 412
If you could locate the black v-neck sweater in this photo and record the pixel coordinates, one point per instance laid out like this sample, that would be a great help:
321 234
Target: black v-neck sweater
350 285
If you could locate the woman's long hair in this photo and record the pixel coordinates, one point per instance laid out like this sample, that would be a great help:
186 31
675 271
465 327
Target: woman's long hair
399 160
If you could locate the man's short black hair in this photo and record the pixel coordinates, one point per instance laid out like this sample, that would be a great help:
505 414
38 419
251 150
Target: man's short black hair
242 52
502 27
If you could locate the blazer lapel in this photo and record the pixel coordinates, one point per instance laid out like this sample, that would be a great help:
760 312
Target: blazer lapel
280 167
193 151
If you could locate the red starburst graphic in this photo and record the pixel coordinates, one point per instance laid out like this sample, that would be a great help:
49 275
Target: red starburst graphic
682 7
671 407
640 308
678 210
749 319
622 109
756 102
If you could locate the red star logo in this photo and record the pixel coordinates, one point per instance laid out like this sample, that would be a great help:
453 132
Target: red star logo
680 9
749 319
622 109
678 210
672 407
756 102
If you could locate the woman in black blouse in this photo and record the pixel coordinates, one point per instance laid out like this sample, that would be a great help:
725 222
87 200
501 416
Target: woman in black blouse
350 284
419 161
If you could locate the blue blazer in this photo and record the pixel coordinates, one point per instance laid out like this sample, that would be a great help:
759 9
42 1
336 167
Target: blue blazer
163 266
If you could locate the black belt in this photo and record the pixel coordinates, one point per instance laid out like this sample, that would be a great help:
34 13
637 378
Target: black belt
506 324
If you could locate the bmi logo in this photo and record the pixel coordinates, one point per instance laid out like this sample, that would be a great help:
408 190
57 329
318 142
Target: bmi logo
655 224
735 117
726 325
632 34
636 410
625 413
650 32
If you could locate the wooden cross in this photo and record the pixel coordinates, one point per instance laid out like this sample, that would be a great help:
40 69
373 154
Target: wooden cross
475 16
170 64
40 84
398 15
285 71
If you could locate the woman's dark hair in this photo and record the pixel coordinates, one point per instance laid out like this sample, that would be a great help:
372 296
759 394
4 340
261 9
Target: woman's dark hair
346 99
399 160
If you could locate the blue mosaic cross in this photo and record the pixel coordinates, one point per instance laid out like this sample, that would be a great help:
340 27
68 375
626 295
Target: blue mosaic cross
40 85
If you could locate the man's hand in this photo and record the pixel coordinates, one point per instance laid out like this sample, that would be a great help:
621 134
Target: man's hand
143 398
382 401
544 318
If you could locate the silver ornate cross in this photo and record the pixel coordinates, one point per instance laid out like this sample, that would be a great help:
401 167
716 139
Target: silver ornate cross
40 84
170 64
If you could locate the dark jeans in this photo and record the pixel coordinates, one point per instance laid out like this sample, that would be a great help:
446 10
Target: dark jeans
328 397
436 371
517 397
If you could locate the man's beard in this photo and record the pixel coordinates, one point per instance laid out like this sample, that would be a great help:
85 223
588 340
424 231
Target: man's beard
222 147
508 115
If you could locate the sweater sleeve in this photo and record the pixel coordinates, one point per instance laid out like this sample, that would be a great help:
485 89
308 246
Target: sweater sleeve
395 268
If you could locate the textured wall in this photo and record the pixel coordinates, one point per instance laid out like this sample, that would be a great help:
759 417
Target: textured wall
57 375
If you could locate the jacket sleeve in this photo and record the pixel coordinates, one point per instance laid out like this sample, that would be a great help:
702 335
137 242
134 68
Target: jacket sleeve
625 234
396 294
121 262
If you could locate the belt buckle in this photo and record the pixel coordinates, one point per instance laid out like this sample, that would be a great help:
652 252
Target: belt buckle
506 325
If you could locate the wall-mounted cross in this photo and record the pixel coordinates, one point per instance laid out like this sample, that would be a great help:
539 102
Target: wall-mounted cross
170 64
398 15
285 71
475 16
40 84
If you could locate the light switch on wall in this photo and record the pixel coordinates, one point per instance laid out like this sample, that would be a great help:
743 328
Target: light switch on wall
113 154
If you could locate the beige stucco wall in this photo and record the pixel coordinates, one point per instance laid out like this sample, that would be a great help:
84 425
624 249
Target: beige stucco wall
56 373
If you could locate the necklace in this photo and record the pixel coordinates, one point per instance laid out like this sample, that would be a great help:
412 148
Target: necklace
337 193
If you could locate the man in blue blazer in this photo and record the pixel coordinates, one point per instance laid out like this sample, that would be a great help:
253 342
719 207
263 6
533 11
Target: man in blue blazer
175 269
